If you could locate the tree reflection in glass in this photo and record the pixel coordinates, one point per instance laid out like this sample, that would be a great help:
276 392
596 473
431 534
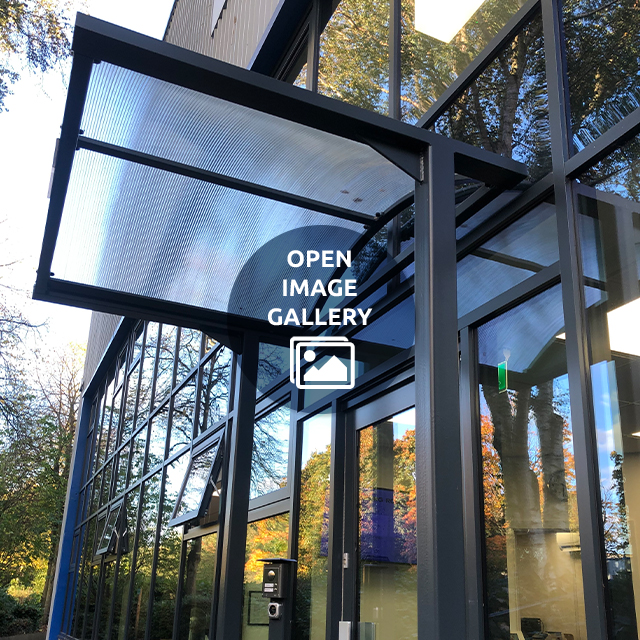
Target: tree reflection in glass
166 354
188 353
214 391
169 549
144 557
533 563
197 588
184 404
354 54
146 377
313 530
603 64
270 457
123 585
505 110
197 479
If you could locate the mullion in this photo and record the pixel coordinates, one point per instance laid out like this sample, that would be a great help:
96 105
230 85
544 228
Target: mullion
597 613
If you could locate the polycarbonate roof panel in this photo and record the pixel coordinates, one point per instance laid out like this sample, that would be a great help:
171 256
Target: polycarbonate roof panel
148 115
140 230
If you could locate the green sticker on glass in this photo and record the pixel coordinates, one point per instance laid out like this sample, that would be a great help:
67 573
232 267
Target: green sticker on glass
502 377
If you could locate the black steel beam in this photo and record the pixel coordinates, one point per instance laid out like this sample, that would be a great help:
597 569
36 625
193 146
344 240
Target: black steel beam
224 181
76 95
107 42
144 308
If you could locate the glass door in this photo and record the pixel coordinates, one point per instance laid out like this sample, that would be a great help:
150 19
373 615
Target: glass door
380 566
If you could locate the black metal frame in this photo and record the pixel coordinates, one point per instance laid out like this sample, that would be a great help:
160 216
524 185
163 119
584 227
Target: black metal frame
451 480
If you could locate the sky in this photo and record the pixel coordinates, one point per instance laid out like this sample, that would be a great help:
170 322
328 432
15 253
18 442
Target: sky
28 132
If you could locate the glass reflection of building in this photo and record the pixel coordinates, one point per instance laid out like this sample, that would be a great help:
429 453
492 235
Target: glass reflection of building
548 304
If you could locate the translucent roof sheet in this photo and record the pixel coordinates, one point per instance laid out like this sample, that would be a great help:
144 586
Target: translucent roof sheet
145 114
157 234
181 181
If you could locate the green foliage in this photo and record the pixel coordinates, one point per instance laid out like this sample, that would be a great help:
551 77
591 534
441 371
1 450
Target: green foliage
33 35
18 617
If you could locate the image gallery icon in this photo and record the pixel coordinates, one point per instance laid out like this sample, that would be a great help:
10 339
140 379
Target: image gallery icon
322 363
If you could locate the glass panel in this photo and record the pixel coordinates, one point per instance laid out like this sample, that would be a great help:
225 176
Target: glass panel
273 363
183 216
189 352
533 564
121 367
105 599
106 483
364 265
138 456
184 404
524 248
173 118
128 424
603 65
92 595
199 474
123 585
609 207
95 498
104 429
197 588
146 546
115 422
388 572
166 354
83 582
137 345
215 389
146 378
170 546
269 461
265 539
158 437
108 531
210 343
431 63
506 109
313 530
123 467
354 55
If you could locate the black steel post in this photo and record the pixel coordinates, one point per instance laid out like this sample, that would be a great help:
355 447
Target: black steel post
441 571
239 445
585 446
472 472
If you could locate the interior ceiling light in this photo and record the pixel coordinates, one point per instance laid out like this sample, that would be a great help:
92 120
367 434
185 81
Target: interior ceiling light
624 333
442 20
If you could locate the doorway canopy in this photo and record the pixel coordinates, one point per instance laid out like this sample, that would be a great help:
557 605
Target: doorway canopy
173 169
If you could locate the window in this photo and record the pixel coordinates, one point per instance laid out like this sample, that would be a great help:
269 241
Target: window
199 484
109 538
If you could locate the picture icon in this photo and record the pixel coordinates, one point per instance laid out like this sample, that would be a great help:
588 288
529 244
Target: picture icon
322 363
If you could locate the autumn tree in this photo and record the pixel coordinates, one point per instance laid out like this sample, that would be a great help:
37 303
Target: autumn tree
34 34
